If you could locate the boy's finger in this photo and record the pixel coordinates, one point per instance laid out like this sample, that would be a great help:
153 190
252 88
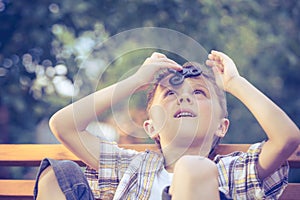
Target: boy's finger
214 57
209 63
216 52
158 55
210 56
216 65
171 63
219 54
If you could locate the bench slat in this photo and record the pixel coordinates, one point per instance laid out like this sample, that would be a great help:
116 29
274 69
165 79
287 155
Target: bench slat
32 154
24 190
17 155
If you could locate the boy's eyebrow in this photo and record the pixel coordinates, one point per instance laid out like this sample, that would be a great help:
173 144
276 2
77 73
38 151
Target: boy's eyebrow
168 85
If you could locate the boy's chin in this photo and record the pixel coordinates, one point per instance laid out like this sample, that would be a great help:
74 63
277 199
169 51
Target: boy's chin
190 126
185 142
189 133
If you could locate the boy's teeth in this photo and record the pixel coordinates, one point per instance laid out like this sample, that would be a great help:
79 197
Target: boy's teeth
184 114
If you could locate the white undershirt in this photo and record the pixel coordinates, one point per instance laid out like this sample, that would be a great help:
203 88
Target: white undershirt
161 180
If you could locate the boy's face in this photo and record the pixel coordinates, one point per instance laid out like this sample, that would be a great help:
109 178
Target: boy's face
185 115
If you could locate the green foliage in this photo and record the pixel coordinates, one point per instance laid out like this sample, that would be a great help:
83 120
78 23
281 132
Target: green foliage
46 46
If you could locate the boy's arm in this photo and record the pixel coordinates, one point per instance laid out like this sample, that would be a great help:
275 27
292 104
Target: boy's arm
69 124
283 135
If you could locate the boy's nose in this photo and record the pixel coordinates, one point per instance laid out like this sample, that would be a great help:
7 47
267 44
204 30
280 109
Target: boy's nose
184 98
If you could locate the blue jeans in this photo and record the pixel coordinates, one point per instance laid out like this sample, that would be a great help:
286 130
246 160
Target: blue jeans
70 178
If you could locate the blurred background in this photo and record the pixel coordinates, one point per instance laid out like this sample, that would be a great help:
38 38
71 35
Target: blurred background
46 45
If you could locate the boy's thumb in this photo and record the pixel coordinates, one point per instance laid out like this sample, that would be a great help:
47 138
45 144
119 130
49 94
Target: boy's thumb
218 76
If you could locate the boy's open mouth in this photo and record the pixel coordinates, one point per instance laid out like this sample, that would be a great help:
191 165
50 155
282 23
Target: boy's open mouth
184 113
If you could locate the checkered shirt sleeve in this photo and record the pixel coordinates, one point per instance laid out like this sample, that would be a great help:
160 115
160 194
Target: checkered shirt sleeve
238 177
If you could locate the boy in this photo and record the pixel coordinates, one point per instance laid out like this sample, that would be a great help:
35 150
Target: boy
187 118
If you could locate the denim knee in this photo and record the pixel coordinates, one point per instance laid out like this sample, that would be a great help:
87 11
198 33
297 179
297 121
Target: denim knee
70 178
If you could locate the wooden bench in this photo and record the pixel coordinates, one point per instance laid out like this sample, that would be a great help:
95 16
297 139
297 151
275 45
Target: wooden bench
32 154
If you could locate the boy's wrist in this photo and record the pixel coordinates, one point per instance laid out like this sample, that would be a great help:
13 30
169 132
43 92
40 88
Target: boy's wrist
234 84
138 82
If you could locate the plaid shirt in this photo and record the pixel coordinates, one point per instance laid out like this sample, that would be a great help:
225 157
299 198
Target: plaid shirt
127 174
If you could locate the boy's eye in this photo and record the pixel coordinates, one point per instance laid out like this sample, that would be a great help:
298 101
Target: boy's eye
169 93
200 92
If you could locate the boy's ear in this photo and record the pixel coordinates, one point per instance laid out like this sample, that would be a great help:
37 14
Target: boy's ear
149 128
223 128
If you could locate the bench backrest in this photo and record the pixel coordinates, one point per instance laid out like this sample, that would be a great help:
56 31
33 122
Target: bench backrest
32 154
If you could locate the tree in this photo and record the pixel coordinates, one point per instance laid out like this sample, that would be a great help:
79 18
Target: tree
40 40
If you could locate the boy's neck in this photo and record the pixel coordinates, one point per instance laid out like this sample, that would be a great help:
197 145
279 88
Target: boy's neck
173 154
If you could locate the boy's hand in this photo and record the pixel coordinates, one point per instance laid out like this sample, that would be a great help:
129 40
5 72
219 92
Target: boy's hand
223 67
150 67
